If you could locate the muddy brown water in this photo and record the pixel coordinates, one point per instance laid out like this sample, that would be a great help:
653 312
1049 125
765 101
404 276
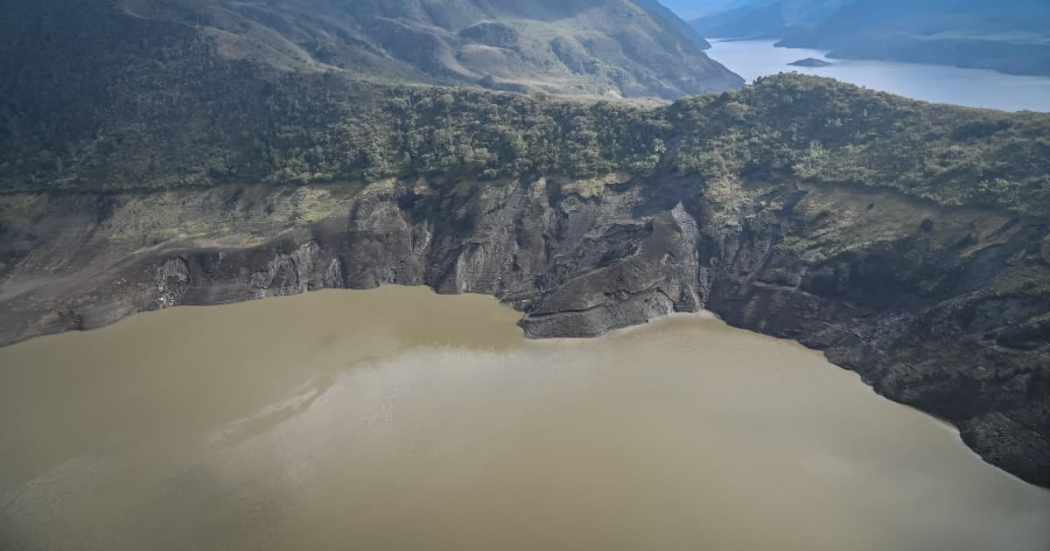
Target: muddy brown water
399 419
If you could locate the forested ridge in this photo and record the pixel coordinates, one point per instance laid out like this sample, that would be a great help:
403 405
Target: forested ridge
153 106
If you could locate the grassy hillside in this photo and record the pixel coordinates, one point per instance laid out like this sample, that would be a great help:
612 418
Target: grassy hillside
147 104
586 47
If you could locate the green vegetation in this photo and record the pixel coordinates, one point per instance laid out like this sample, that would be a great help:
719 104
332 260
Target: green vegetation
588 47
160 109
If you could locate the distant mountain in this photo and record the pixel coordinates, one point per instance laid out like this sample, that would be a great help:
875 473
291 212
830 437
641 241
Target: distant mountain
767 19
678 23
588 47
692 9
1011 36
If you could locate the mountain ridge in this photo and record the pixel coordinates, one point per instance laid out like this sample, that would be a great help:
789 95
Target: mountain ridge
767 19
582 47
1012 36
678 23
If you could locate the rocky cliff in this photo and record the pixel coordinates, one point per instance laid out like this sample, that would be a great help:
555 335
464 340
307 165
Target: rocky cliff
156 161
932 305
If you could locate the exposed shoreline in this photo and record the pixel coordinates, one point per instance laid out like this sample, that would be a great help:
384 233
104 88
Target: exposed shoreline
580 262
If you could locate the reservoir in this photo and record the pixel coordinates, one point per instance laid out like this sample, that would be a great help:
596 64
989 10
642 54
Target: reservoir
399 419
937 83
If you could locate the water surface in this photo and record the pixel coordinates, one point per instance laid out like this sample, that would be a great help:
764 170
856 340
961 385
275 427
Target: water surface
398 419
937 83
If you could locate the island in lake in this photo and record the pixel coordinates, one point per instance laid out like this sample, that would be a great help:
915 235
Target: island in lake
811 62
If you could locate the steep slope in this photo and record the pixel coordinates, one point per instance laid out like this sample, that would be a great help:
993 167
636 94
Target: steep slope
678 23
591 47
767 19
142 166
1011 36
944 308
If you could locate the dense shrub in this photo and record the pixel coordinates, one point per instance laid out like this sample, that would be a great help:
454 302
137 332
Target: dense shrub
147 105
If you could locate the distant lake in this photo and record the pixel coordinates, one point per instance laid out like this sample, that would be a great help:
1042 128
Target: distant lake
937 83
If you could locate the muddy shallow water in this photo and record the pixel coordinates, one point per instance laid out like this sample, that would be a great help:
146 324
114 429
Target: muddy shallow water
399 419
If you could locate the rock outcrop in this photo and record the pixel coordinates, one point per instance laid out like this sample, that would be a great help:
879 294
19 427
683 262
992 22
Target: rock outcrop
918 299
